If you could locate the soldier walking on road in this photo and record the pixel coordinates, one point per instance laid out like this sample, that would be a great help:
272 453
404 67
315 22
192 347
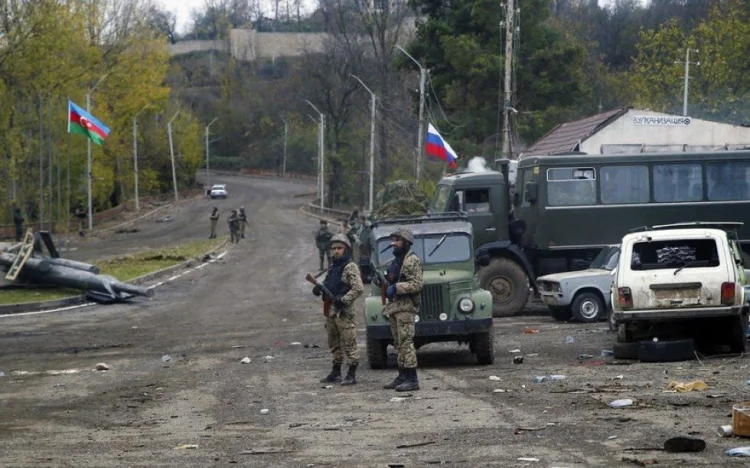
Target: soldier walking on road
80 213
18 222
214 221
344 282
404 299
243 222
323 242
234 227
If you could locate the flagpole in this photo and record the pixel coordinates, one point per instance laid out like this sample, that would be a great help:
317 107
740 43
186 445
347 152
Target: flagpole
41 162
88 156
171 152
49 158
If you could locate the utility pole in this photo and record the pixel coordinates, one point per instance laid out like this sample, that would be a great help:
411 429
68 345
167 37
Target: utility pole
88 156
171 152
687 79
135 154
373 100
41 161
321 154
208 177
286 138
508 88
420 134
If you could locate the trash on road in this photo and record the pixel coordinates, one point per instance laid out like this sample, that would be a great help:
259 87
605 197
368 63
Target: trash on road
417 444
530 331
607 353
583 357
327 387
246 360
725 431
397 399
540 378
186 447
556 377
264 411
512 351
517 359
621 403
102 367
528 459
494 378
681 387
500 390
683 444
166 358
739 452
640 462
296 343
569 339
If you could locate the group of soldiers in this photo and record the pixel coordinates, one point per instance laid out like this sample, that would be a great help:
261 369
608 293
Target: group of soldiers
237 221
344 282
356 229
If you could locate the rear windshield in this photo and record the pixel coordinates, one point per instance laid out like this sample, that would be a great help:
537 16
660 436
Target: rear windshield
688 253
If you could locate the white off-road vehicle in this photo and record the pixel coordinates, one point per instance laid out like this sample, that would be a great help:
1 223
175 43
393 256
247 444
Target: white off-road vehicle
678 280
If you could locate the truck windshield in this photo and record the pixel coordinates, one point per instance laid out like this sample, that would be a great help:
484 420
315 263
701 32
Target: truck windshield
606 259
456 247
441 199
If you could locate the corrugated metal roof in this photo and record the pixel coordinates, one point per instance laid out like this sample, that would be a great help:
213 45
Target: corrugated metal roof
566 137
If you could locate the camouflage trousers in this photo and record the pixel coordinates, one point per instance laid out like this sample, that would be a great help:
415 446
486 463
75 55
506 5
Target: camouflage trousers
324 253
402 330
213 227
234 235
342 339
242 229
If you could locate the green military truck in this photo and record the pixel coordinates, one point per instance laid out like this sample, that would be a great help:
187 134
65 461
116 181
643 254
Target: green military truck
567 207
453 306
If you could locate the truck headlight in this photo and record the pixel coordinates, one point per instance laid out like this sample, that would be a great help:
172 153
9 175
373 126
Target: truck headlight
466 305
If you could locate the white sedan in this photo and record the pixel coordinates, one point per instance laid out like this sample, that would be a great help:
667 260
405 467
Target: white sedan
219 191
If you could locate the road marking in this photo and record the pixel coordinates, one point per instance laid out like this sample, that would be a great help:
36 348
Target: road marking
79 306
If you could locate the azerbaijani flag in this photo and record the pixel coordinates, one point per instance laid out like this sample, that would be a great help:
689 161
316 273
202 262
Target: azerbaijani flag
436 147
80 121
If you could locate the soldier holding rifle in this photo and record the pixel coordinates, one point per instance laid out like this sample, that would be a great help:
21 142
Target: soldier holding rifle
342 286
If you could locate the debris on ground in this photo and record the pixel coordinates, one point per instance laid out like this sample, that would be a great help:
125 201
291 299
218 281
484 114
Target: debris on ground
725 431
569 339
186 447
528 459
639 462
517 359
265 411
621 403
683 444
102 367
530 331
494 378
166 358
681 387
417 444
739 452
246 360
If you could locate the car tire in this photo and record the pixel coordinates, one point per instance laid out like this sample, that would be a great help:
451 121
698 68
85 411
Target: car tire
503 275
484 346
737 334
666 351
588 307
611 320
625 350
561 314
377 353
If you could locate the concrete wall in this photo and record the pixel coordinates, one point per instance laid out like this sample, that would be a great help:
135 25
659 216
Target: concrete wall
672 133
185 47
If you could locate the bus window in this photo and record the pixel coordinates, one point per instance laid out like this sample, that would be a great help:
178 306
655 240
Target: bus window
728 180
571 186
678 183
624 184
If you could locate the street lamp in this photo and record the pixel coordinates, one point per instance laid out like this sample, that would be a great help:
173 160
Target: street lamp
208 179
420 135
286 137
373 99
88 153
321 153
687 79
171 152
135 153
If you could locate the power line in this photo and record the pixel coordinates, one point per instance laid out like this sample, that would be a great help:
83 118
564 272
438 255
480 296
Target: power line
437 100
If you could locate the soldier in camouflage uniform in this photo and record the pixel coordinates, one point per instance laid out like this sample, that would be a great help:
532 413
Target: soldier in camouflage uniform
243 222
214 220
323 242
404 299
234 227
344 282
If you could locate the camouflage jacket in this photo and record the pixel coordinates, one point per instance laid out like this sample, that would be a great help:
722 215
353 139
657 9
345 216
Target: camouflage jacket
351 278
215 215
234 222
323 239
408 287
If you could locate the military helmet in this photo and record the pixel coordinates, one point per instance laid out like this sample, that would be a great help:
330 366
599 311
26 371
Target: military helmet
234 211
341 239
324 222
404 233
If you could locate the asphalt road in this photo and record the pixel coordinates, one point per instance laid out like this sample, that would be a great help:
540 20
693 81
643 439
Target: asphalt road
176 393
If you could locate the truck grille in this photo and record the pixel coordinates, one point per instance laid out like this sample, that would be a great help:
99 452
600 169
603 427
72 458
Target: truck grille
433 303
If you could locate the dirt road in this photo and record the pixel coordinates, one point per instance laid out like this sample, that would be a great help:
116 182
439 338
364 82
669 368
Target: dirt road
175 377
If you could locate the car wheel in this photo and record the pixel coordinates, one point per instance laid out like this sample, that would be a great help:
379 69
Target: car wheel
508 284
560 314
625 350
484 346
588 307
737 334
377 353
611 320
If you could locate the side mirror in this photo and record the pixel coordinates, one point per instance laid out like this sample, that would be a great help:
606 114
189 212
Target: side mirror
531 193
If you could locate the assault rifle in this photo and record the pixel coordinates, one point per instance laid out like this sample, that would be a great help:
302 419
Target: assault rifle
328 296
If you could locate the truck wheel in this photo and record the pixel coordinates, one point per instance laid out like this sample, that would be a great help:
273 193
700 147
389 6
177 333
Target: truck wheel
560 314
588 307
484 346
377 353
507 283
737 335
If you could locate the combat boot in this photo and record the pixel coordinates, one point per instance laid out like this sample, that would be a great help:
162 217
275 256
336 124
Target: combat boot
334 376
411 383
397 381
351 375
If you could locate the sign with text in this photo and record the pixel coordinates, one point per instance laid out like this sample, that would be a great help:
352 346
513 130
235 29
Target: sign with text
661 120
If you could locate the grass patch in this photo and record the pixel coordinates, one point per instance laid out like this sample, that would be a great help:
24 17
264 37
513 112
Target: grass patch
124 268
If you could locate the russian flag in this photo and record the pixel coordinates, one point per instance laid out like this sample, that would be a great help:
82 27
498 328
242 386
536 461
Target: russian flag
436 147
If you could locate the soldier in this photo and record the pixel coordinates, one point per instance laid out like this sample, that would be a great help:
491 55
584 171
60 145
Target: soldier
214 221
344 282
243 222
351 233
18 222
404 293
234 226
80 213
323 241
